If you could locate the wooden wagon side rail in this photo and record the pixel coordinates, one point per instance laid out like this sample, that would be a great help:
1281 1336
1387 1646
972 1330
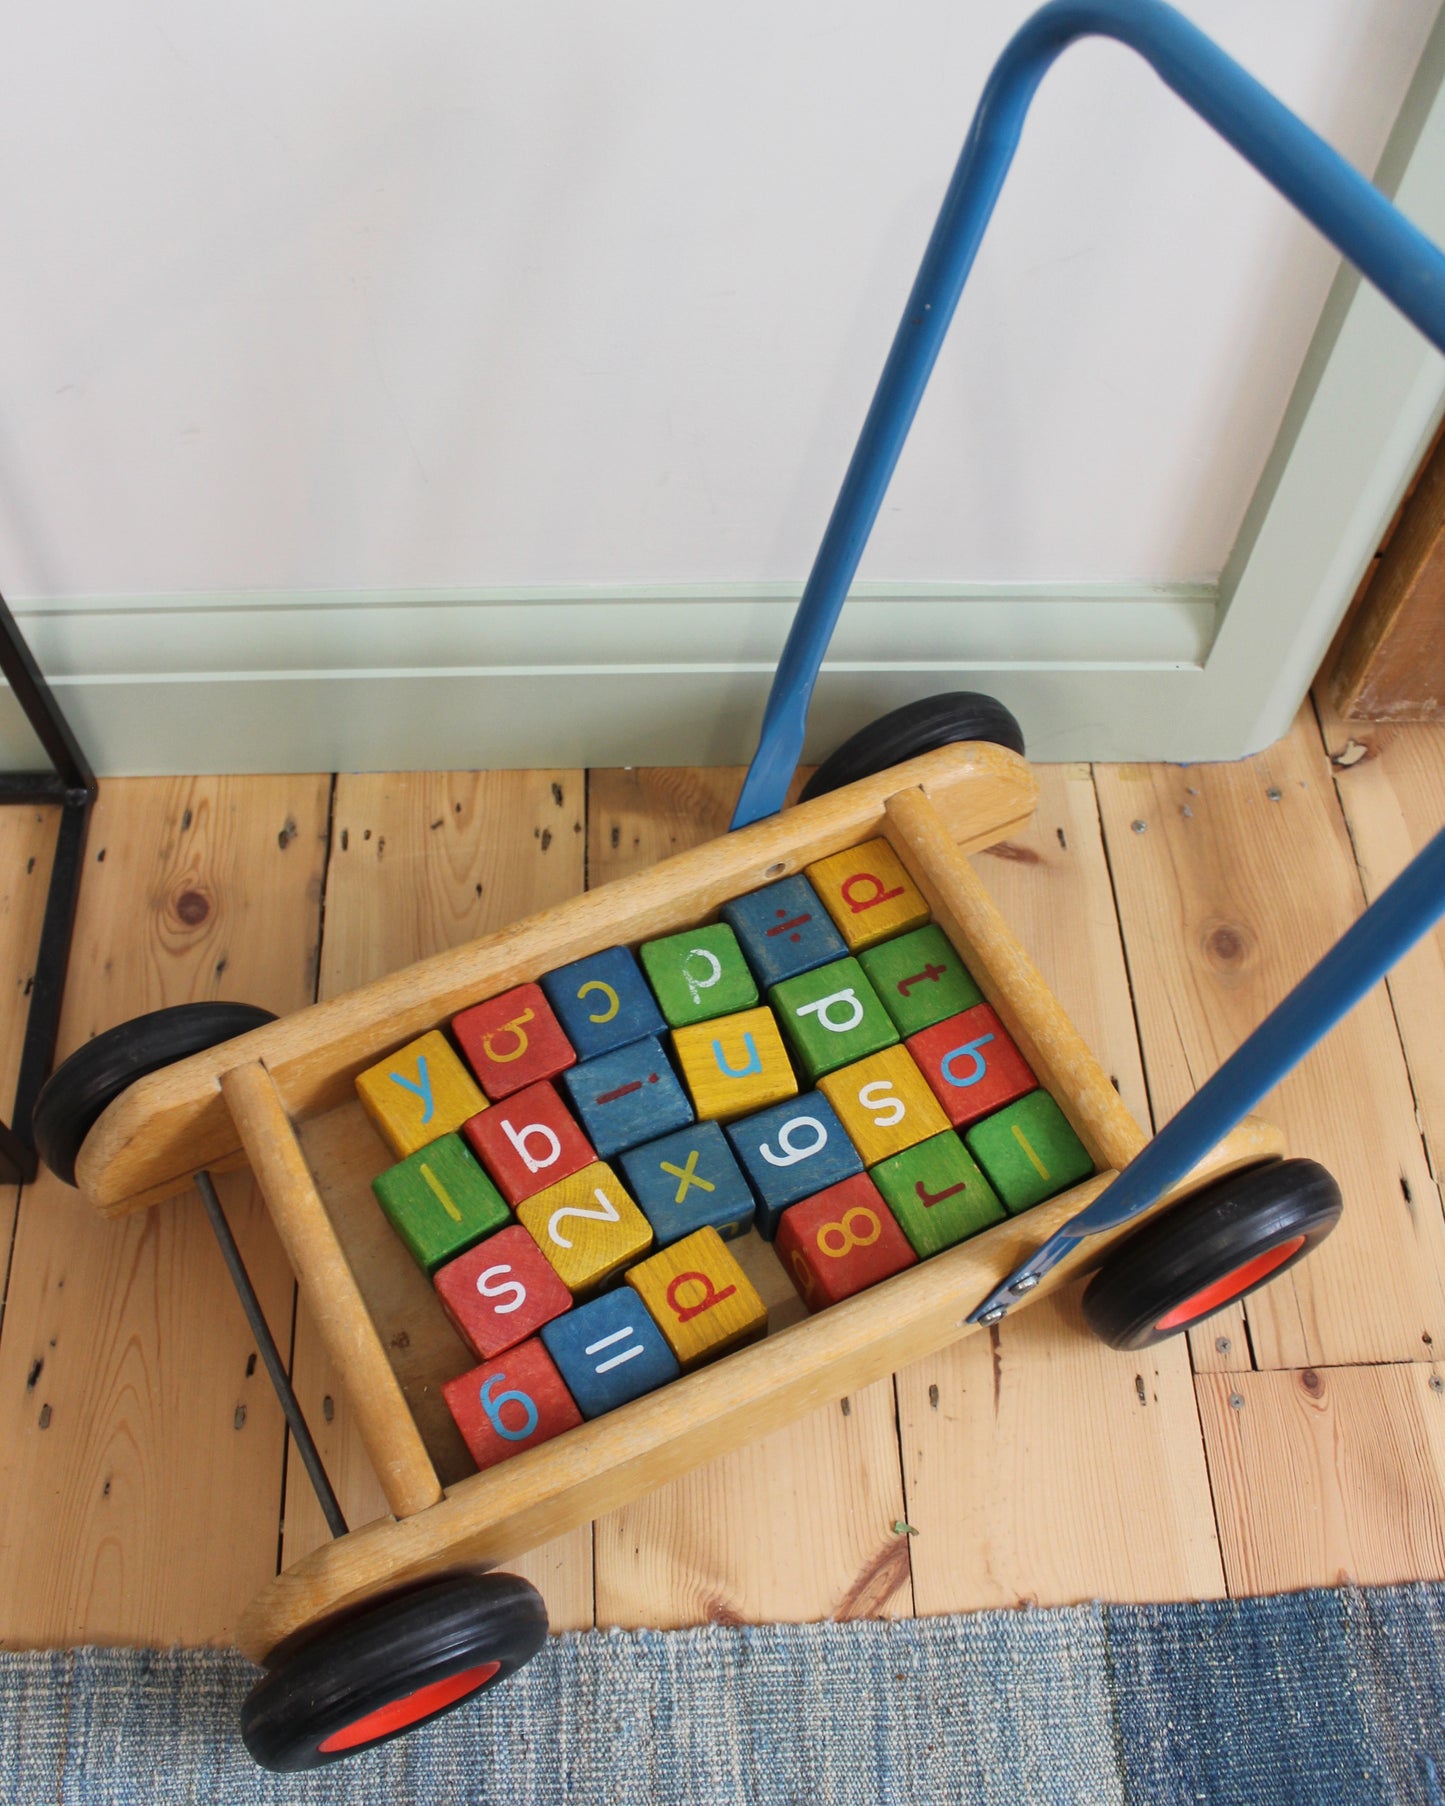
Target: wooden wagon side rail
495 1516
164 1128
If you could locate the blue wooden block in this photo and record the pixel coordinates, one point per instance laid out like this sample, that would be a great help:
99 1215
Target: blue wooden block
609 1351
790 1152
603 1002
689 1181
627 1097
784 930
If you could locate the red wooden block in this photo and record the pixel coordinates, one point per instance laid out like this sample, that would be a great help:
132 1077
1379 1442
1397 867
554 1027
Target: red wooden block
529 1142
501 1292
972 1065
511 1404
841 1241
513 1040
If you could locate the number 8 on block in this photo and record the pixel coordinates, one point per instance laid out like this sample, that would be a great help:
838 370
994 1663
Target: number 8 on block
840 1242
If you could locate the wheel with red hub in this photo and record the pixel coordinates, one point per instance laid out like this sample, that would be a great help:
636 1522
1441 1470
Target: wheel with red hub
360 1680
1209 1249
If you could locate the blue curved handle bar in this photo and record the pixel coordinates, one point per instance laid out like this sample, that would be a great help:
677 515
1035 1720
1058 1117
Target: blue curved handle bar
1401 262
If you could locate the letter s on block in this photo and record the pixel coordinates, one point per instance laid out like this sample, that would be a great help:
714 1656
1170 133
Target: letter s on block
514 1286
879 1095
787 1154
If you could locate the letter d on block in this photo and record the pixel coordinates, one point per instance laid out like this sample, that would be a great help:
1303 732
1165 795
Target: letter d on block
822 1008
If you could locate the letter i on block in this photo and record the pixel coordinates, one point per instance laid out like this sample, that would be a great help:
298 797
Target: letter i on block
418 1094
513 1040
501 1292
700 1298
439 1201
610 1352
841 1242
529 1142
587 1227
511 1404
868 894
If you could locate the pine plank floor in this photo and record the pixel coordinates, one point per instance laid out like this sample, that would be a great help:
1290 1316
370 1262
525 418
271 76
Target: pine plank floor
145 1489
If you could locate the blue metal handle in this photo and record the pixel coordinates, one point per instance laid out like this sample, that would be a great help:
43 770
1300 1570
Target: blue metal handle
1401 262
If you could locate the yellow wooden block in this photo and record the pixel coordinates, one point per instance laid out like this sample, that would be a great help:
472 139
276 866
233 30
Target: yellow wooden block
885 1104
587 1226
700 1299
868 894
419 1093
735 1064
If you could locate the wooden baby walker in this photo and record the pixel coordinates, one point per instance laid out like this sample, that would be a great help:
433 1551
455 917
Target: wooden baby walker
873 1015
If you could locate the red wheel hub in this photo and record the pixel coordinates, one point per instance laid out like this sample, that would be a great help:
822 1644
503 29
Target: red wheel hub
412 1708
1214 1297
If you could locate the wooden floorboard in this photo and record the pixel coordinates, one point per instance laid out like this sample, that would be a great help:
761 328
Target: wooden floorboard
1003 1434
420 862
141 1454
140 1446
1231 881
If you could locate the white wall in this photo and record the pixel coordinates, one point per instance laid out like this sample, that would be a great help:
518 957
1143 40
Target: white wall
363 297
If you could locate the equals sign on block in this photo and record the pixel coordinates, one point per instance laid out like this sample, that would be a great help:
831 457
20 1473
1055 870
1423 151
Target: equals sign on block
615 1360
609 1351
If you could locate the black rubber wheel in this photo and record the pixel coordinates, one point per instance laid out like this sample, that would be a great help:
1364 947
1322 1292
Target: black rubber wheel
1208 1250
79 1089
383 1670
918 727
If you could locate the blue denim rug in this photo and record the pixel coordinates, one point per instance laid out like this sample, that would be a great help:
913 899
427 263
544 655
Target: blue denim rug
1334 1697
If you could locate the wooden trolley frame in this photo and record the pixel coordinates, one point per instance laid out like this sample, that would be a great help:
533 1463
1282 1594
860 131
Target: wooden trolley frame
281 1099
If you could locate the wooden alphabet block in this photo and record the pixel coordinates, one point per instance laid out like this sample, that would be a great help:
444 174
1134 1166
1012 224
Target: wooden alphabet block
688 1181
700 1298
920 978
937 1193
588 1228
511 1404
885 1104
603 1002
841 1242
790 1152
627 1097
610 1352
500 1292
439 1201
784 930
1029 1151
971 1065
831 1017
734 1064
868 894
529 1142
699 974
418 1094
513 1040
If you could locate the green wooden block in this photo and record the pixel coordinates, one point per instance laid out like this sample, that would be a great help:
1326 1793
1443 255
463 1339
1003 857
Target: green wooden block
937 1193
1028 1151
832 1017
699 975
440 1202
920 979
